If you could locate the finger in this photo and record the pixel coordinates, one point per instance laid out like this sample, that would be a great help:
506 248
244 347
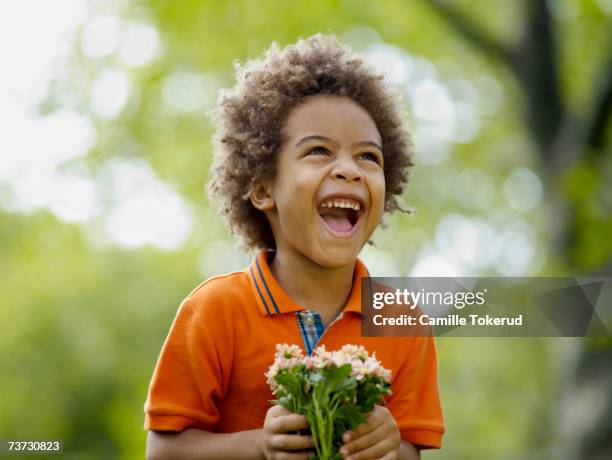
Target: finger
370 425
365 441
285 423
291 455
377 450
388 456
290 442
278 410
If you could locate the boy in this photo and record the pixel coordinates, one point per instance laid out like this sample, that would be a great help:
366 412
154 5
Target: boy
311 150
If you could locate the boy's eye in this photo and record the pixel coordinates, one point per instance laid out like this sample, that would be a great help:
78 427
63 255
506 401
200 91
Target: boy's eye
318 151
370 157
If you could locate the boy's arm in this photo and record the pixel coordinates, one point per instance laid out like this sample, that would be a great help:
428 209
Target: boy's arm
193 443
275 440
409 452
378 437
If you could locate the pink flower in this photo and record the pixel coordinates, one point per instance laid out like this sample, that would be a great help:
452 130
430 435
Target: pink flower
371 366
287 357
383 373
339 358
310 362
322 357
271 376
284 350
355 351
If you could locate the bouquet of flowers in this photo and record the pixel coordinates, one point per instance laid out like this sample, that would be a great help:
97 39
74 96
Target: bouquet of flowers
333 389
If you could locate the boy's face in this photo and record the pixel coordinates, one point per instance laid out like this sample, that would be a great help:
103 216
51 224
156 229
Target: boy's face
328 195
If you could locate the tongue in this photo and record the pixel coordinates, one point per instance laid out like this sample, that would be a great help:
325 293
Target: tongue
337 221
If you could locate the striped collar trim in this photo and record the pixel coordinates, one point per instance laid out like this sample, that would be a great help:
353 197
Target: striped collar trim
273 300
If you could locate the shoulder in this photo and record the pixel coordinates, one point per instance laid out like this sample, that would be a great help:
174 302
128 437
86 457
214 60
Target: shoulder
219 294
221 286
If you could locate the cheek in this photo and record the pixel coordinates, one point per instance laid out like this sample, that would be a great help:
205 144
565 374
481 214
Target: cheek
293 201
298 187
377 192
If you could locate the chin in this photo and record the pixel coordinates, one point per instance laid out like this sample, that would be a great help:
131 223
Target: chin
338 257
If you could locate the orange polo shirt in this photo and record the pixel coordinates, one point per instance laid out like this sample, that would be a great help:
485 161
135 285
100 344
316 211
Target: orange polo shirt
210 372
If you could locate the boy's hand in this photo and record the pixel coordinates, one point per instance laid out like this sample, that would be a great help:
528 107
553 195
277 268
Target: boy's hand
377 438
277 442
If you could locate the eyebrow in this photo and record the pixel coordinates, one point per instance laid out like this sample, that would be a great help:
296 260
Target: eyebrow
330 141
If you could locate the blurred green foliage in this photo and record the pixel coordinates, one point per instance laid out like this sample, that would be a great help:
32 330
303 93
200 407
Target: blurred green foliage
83 323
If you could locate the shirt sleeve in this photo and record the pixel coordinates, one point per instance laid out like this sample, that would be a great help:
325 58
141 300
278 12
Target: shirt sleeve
415 403
187 384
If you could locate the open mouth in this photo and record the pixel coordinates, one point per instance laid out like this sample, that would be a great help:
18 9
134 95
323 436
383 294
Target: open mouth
341 215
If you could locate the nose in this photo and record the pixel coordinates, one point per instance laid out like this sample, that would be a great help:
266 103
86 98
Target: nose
347 171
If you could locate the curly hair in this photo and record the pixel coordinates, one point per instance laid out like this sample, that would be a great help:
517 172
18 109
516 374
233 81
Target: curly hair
250 116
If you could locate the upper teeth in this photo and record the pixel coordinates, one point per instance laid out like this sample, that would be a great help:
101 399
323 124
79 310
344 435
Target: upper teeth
352 204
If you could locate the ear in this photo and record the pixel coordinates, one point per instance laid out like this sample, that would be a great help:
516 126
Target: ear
261 197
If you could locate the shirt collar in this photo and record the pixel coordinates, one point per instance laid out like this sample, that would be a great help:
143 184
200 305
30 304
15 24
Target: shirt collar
273 300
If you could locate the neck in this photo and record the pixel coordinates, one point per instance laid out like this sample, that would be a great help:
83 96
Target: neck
312 286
